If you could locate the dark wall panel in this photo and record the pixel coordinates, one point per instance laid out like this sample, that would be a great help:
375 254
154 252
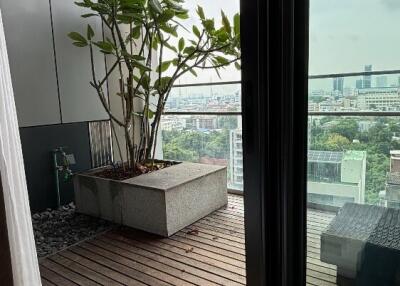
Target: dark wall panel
37 144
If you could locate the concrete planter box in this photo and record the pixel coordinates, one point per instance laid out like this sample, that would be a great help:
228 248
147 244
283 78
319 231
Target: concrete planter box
162 202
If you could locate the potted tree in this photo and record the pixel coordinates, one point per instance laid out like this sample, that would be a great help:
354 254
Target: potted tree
156 196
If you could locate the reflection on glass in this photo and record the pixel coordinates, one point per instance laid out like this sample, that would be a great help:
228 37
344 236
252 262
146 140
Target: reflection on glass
205 139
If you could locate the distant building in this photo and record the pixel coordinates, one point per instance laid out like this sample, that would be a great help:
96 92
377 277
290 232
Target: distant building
338 83
390 197
202 122
335 178
384 99
364 125
313 106
236 159
359 84
367 78
330 105
169 123
381 81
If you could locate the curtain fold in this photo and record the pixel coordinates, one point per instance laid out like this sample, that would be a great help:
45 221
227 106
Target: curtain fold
19 224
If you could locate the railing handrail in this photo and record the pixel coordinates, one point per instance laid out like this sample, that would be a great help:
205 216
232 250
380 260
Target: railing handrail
354 113
317 76
352 74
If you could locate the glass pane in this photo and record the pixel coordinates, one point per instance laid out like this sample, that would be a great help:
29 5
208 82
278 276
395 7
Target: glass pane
361 93
354 199
205 139
211 98
346 35
353 188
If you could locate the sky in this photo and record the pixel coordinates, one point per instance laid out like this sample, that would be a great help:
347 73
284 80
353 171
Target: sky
212 9
345 35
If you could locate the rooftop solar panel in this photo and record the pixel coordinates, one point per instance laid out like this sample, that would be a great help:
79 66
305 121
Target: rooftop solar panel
325 156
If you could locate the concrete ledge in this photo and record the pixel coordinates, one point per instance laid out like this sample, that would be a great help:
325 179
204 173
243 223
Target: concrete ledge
162 202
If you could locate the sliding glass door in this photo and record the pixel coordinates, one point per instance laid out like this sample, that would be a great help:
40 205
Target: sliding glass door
353 168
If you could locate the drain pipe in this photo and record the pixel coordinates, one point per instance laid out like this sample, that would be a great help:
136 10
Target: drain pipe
62 168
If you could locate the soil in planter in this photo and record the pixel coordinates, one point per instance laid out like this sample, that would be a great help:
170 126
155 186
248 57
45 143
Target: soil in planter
121 173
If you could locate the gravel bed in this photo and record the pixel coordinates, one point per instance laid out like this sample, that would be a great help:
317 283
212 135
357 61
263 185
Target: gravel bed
55 230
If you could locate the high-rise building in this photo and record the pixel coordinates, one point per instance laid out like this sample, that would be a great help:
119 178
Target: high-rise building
338 84
335 178
381 81
367 78
359 84
236 159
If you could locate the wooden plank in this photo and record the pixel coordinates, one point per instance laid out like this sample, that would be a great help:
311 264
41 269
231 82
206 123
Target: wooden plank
182 249
55 278
138 271
100 279
178 261
196 244
209 252
68 274
95 266
46 282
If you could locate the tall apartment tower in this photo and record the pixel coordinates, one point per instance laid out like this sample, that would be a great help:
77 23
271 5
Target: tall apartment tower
338 83
367 78
359 84
381 81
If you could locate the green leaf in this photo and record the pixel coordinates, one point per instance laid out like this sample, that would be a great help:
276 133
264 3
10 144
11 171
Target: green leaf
106 47
209 25
166 16
221 60
90 32
77 37
133 57
191 70
88 15
156 6
148 113
140 66
163 83
189 50
135 33
181 44
200 12
182 15
79 44
145 81
164 66
238 66
236 24
225 23
166 44
196 31
170 29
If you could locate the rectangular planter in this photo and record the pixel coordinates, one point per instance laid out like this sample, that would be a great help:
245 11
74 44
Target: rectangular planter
162 202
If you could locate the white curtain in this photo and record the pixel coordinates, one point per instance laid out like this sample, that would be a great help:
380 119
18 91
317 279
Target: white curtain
20 233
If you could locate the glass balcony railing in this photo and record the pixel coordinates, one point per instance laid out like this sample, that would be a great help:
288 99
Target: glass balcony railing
354 138
202 123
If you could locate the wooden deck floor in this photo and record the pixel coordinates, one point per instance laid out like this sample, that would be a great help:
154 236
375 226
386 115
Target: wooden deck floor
209 252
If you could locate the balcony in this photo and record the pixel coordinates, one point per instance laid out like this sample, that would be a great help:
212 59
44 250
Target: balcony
209 252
